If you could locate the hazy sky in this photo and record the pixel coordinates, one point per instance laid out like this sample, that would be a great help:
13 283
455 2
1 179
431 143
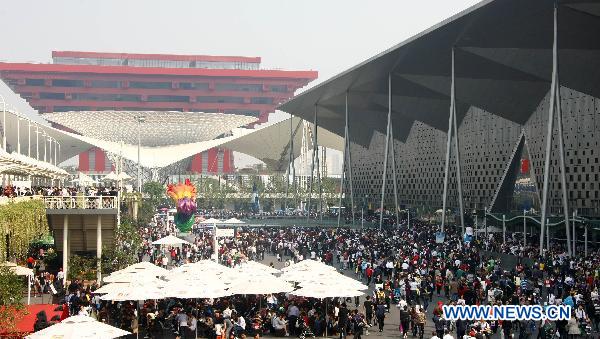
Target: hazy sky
324 35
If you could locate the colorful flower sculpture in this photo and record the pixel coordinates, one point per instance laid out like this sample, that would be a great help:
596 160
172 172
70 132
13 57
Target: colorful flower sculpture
184 196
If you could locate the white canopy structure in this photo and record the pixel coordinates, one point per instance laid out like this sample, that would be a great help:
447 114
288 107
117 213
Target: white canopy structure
79 326
18 164
271 144
84 179
232 221
154 129
170 241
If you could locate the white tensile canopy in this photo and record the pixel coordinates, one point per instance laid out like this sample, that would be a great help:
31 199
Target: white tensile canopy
232 221
325 291
170 240
79 326
134 291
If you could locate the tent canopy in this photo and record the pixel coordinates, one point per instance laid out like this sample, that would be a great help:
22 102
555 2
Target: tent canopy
170 240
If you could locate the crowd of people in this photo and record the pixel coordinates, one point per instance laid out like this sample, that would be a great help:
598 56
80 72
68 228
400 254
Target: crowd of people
11 191
407 268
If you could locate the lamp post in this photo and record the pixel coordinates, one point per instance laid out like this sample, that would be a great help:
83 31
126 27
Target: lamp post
140 119
45 143
58 153
50 149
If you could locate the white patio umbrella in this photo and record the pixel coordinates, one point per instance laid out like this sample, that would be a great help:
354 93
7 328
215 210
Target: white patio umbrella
308 265
123 176
211 221
326 291
192 289
250 266
204 270
116 287
79 326
144 266
170 240
232 221
260 285
84 179
339 280
139 275
112 176
134 291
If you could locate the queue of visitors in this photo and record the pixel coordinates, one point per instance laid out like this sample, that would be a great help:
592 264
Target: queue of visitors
405 268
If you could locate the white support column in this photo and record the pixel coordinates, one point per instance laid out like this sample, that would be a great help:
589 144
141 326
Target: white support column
320 182
574 233
457 147
18 135
65 261
476 227
351 181
394 172
29 138
447 170
49 149
386 151
288 170
312 166
547 234
343 174
503 229
215 244
563 176
487 237
99 248
45 144
552 106
524 229
3 123
37 142
586 240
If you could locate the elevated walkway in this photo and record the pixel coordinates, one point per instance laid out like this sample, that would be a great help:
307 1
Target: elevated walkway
81 224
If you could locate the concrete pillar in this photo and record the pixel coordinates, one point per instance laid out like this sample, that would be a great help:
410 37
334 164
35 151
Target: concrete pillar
99 249
65 261
135 208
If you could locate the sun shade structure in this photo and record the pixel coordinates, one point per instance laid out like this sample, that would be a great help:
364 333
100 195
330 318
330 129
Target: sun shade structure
171 241
503 64
79 326
271 144
39 142
154 128
15 163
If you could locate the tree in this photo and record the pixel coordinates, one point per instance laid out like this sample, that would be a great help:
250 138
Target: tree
124 253
154 190
22 222
11 307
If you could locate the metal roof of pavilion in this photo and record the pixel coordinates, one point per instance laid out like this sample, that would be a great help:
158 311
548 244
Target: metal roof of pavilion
157 129
270 144
503 64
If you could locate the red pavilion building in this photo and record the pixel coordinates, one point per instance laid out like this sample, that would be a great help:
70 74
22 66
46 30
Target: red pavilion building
91 81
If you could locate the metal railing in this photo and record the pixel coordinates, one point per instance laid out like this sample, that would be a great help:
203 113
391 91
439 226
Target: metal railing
80 202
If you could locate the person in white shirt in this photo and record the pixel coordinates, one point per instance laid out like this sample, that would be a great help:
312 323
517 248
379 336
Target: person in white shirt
447 335
434 335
